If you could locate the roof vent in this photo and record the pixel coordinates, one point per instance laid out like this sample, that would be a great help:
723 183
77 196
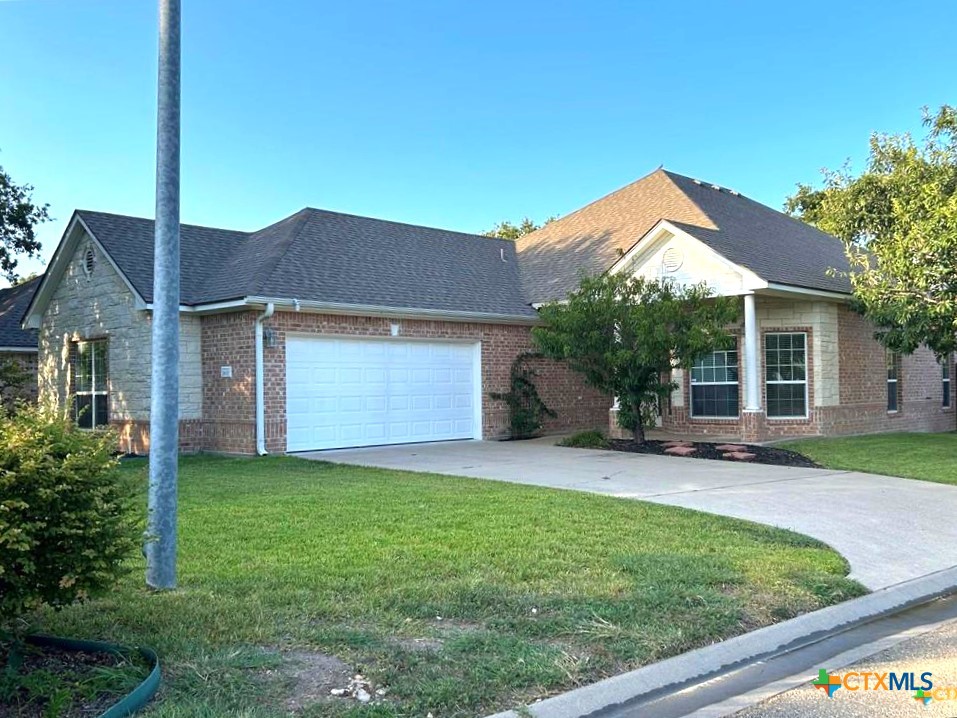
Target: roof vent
696 181
672 259
717 187
89 261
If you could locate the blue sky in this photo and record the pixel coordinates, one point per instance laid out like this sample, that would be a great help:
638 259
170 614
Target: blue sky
455 114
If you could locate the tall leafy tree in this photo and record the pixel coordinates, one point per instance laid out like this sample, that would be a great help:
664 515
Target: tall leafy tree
508 230
19 216
625 334
898 221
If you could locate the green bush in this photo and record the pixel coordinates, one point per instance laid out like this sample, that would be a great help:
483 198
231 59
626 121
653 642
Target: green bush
585 440
67 520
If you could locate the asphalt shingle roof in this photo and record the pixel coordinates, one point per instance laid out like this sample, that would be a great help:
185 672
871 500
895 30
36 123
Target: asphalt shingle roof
774 246
13 304
315 255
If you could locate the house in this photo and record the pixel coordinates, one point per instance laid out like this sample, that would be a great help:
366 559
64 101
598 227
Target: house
329 330
18 345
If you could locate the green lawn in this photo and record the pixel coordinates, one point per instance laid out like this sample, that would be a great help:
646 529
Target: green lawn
459 596
930 457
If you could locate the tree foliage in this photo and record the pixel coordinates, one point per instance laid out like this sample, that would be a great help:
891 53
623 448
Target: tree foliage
898 221
507 230
67 518
19 216
12 379
526 409
625 334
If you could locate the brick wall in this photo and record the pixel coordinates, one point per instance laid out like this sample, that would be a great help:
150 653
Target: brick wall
27 363
847 381
229 402
577 406
863 386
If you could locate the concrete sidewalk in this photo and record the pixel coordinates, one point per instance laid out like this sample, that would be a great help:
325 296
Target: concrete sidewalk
889 529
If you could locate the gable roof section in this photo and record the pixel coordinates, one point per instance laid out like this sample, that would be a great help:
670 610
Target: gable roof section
778 248
129 242
326 257
13 304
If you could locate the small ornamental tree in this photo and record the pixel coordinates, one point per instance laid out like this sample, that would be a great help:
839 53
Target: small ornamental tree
625 334
526 410
898 221
67 518
12 379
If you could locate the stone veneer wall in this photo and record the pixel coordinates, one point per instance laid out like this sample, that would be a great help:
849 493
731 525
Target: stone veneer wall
101 306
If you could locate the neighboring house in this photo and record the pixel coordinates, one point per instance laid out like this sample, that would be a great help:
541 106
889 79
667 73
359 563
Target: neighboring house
17 344
328 330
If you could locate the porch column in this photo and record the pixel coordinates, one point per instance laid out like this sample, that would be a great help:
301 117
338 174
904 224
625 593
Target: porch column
752 379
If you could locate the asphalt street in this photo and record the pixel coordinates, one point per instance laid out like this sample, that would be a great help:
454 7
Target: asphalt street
935 651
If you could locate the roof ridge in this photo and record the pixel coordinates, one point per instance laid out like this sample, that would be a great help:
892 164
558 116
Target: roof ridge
300 219
148 219
660 168
408 224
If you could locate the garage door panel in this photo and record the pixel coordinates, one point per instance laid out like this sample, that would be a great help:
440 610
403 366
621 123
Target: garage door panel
345 392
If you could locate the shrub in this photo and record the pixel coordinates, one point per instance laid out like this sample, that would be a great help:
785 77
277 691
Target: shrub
67 520
526 410
585 440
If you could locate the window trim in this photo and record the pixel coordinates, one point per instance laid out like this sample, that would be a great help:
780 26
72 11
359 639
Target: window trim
692 384
945 381
895 358
94 391
806 381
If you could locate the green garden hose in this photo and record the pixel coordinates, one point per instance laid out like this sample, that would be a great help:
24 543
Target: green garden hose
132 701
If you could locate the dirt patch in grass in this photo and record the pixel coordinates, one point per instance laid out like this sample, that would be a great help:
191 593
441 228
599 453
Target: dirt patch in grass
312 677
707 450
51 682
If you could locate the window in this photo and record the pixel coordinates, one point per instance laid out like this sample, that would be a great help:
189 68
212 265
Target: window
90 387
714 385
893 385
945 380
785 366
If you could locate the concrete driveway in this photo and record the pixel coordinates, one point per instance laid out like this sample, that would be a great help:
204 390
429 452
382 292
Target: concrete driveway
889 529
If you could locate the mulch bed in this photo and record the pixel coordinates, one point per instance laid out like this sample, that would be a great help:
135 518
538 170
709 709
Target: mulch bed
55 682
706 450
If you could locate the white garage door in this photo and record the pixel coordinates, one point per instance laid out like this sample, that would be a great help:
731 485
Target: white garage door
367 392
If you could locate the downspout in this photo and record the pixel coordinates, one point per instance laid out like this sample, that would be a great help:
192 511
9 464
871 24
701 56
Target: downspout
260 382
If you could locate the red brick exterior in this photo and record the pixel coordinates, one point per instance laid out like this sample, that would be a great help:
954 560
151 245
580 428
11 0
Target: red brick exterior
863 387
862 407
228 340
228 423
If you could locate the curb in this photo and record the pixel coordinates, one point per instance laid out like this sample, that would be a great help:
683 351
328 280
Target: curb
763 643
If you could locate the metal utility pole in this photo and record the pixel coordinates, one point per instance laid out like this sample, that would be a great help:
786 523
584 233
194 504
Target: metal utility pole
164 388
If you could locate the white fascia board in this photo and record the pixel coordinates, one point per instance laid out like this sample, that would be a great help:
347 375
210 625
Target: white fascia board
806 292
397 312
210 308
18 350
664 230
57 268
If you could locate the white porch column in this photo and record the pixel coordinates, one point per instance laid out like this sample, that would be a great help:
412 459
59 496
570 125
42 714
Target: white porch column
752 378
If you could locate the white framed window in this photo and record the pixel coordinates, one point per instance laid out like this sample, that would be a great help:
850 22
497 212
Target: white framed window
893 381
714 385
785 371
91 397
945 380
